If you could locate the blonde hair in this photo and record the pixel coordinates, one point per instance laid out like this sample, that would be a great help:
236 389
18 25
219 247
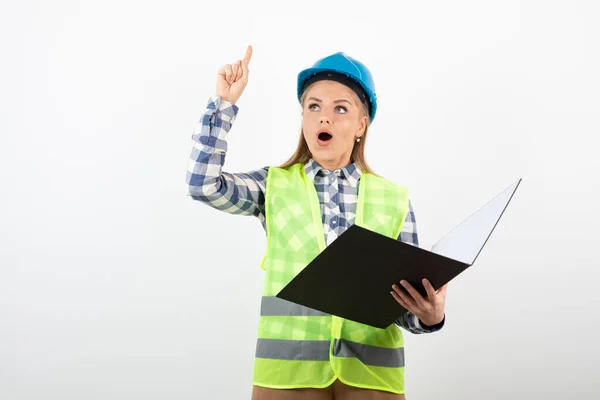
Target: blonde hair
302 153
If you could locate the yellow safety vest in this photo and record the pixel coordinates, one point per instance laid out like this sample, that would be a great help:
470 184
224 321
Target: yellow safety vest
299 347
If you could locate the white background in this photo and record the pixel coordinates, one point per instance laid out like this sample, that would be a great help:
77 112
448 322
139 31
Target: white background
114 284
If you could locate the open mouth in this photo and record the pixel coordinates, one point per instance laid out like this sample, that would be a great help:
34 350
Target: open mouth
324 136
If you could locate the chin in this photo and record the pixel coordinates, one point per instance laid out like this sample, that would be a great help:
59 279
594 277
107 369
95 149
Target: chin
323 153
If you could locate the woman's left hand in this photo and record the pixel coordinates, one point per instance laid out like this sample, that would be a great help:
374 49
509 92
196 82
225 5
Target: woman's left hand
429 310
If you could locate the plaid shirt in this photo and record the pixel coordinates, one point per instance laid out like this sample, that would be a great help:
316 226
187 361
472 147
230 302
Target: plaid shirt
244 193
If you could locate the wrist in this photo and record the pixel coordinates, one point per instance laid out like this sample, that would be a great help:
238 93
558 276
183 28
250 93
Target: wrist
430 323
226 99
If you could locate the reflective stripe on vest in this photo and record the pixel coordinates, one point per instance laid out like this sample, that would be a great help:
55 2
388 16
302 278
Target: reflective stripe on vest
272 306
309 350
318 350
370 355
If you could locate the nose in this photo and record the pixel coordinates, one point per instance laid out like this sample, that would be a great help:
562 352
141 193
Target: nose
325 119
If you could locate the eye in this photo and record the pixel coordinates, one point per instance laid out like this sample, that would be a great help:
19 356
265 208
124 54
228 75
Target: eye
312 106
344 109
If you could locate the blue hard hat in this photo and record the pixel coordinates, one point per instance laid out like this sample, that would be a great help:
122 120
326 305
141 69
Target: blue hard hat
340 63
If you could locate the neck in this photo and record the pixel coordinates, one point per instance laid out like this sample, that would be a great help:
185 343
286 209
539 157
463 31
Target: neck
333 164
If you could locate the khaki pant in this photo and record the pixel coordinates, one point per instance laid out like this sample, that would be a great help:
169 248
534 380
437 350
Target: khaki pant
337 391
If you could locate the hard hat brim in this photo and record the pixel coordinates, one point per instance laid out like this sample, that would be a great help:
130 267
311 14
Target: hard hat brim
305 74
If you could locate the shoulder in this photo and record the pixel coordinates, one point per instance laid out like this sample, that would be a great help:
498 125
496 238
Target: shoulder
288 171
384 182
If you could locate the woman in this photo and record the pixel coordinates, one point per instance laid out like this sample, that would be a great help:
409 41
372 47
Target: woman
304 205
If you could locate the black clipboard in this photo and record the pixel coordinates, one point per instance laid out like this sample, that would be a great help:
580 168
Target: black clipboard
352 278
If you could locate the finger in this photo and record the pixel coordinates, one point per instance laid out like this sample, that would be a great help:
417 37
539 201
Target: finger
234 72
401 301
245 63
403 295
247 56
442 290
429 288
228 73
240 70
413 292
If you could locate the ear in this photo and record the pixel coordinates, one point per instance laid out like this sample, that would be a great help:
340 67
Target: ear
364 120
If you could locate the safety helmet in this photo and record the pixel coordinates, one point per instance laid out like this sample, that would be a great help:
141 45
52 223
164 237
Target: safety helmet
340 63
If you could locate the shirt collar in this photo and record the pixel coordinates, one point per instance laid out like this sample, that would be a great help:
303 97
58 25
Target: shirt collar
351 172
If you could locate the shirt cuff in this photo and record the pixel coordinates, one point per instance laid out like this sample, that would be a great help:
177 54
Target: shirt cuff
213 127
426 328
227 110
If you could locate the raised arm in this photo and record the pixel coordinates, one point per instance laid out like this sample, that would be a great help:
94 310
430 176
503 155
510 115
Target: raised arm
234 193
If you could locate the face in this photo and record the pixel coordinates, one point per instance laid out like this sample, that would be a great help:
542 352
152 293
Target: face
332 120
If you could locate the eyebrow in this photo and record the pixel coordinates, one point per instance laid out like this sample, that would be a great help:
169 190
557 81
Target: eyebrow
336 101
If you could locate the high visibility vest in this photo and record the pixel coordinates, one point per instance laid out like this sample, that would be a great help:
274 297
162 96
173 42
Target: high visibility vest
300 347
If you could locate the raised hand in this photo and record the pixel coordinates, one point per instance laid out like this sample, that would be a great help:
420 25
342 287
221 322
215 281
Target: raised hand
233 78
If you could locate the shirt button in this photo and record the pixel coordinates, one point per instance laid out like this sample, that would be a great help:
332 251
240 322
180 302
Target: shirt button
333 221
204 139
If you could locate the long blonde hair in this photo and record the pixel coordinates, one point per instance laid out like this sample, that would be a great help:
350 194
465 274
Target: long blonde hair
302 153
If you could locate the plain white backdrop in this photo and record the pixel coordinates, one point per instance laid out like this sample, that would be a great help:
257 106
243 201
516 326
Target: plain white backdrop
115 284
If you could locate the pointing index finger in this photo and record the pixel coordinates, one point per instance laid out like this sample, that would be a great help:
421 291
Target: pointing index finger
247 56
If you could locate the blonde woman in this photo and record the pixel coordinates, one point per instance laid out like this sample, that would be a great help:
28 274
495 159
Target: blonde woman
304 205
